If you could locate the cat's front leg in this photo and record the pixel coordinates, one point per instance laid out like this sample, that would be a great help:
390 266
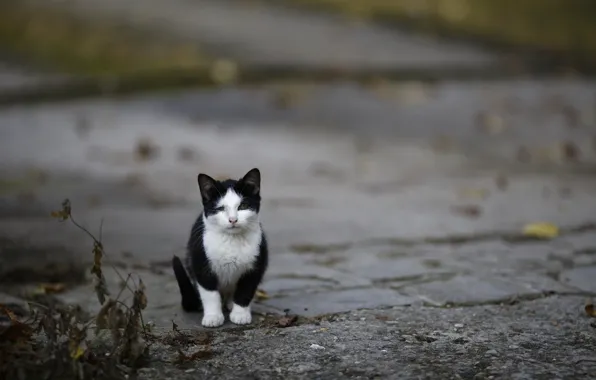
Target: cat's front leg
212 312
243 295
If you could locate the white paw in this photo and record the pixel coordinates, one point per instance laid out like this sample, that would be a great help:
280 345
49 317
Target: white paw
240 315
213 320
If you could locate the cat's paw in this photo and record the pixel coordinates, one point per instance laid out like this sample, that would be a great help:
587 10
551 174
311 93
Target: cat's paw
240 315
213 320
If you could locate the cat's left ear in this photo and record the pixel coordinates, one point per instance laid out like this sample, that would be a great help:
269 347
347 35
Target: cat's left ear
252 181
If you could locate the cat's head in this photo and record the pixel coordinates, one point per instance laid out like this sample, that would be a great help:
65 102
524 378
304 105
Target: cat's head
231 206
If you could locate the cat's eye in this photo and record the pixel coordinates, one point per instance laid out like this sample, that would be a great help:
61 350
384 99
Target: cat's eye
242 206
220 208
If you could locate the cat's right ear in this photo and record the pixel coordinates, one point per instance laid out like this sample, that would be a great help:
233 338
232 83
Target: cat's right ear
207 186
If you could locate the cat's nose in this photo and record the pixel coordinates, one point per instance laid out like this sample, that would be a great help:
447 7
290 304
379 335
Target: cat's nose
233 220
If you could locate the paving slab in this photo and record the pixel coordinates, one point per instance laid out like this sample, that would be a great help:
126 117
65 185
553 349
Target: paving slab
581 277
349 227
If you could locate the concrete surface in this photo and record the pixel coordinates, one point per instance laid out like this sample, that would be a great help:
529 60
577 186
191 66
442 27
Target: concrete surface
541 339
376 222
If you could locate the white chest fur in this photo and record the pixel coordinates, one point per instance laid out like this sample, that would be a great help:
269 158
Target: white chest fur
231 255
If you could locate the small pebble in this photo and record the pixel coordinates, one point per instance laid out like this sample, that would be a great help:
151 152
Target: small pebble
316 347
459 325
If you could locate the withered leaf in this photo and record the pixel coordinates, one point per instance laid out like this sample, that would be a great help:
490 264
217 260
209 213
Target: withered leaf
261 295
101 321
541 230
50 288
64 213
590 309
287 321
140 299
17 331
146 149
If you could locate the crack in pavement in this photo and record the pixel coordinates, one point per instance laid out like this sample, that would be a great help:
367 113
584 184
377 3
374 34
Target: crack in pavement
513 300
508 237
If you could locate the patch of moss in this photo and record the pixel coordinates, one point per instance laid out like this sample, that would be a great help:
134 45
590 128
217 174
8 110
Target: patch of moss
560 26
59 40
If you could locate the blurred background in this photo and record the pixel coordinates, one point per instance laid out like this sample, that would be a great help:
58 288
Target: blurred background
369 119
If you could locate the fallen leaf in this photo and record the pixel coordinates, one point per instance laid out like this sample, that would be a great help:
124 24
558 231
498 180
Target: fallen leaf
287 321
15 332
50 288
570 151
541 230
470 211
589 308
146 149
77 352
261 295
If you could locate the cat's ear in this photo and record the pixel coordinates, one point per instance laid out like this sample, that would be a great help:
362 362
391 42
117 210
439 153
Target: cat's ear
207 186
252 181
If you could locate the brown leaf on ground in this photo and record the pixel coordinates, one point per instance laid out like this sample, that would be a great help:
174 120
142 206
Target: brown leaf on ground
16 331
570 151
590 309
287 320
470 211
146 150
50 288
261 295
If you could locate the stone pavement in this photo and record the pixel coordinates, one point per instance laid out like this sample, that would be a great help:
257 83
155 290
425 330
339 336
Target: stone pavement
426 239
262 34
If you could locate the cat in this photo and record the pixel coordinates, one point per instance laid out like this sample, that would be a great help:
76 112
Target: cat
227 253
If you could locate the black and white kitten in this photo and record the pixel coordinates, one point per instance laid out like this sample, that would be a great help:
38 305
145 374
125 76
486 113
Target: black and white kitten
226 253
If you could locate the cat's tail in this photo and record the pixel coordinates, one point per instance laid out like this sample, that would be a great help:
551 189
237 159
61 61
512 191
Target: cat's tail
190 299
